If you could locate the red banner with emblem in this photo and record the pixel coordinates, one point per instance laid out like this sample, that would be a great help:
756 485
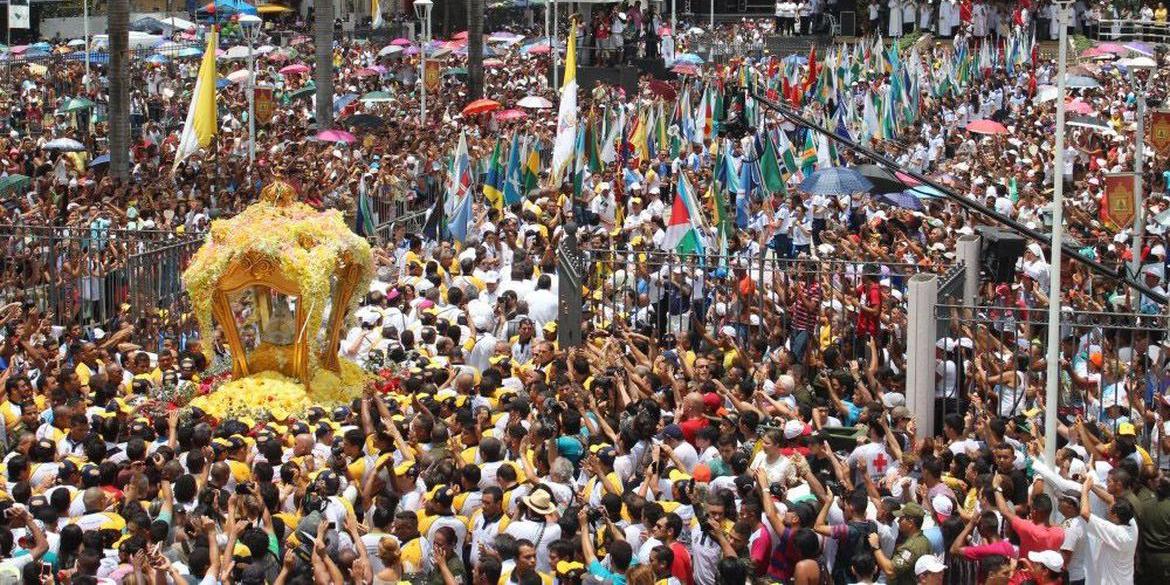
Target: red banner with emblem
1160 131
431 76
265 104
1119 191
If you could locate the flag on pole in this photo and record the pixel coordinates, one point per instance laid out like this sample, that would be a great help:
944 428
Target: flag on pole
460 180
493 185
201 124
770 167
723 222
512 192
530 175
684 230
461 220
580 164
567 115
376 12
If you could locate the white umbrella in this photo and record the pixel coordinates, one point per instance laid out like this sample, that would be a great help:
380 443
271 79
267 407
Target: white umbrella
1046 93
76 43
237 52
389 50
265 49
534 102
238 76
64 145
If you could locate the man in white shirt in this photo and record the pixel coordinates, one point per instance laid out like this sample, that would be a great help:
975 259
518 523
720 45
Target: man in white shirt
542 303
1112 542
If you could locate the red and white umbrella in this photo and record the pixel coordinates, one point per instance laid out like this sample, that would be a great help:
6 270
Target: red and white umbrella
510 115
986 127
336 136
294 69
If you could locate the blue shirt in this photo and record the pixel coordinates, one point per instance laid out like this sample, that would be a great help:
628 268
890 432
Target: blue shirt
598 570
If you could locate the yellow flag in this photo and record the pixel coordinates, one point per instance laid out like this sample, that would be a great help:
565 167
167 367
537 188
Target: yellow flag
201 123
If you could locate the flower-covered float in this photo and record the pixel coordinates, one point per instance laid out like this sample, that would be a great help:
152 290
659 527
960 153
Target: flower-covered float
292 272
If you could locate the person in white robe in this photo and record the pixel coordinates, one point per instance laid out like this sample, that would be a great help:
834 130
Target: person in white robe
909 16
894 26
979 20
925 11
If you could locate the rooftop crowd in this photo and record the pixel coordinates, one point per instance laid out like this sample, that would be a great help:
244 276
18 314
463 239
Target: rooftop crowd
720 425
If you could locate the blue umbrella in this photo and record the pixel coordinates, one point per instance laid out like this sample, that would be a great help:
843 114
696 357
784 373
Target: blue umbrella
835 181
230 7
190 52
99 161
1081 82
905 200
925 192
343 100
41 46
98 58
691 58
157 59
796 60
222 82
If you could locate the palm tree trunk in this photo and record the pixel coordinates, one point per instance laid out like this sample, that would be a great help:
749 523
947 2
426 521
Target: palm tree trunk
474 49
323 72
118 115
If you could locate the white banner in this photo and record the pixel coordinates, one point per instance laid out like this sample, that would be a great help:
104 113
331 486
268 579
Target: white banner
18 14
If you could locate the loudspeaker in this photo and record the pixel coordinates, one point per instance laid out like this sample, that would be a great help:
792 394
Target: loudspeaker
848 23
999 252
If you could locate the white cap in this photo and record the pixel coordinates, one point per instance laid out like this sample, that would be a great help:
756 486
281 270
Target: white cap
491 277
754 320
793 429
635 186
1049 558
98 333
893 399
942 505
370 318
727 330
929 564
1035 249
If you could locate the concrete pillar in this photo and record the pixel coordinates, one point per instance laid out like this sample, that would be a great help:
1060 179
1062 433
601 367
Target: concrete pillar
968 253
921 332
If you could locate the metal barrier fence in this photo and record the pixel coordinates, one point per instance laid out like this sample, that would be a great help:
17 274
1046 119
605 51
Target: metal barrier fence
1112 364
85 275
666 293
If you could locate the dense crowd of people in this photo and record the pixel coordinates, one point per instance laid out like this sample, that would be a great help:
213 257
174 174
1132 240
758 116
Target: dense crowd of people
735 415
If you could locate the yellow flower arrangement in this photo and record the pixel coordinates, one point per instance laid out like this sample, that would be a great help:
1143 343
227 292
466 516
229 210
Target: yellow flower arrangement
311 249
280 396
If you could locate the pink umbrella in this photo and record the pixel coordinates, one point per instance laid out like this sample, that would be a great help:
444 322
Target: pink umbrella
1079 107
986 127
910 181
462 35
510 115
685 69
18 49
1114 48
299 39
294 68
492 63
380 69
220 52
366 72
401 42
276 56
336 136
1093 52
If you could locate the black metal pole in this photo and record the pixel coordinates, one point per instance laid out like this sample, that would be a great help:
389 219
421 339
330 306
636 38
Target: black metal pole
969 204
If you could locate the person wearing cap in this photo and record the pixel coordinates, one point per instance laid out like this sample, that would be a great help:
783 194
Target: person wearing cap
536 525
928 570
899 569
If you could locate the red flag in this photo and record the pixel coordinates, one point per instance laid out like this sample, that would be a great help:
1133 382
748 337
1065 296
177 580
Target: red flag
965 11
811 78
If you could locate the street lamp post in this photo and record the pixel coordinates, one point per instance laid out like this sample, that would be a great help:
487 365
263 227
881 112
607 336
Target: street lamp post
250 25
1136 65
422 11
1051 394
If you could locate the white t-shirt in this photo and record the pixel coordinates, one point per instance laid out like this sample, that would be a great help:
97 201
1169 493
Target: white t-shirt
539 535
